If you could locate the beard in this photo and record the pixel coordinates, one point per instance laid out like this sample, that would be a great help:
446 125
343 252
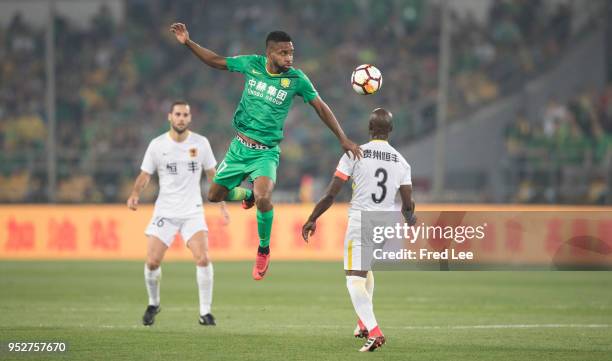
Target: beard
281 68
179 130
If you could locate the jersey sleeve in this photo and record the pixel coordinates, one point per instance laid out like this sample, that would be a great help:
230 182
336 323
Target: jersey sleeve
239 63
148 163
407 177
306 90
208 157
345 167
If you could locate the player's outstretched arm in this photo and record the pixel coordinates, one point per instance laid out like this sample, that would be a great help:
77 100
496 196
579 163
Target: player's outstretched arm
209 57
141 182
327 116
323 205
407 204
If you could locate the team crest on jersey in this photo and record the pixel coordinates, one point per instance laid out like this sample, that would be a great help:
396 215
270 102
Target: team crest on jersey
285 82
193 152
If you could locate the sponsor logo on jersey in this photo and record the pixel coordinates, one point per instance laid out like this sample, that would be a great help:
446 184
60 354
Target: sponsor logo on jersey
269 92
380 155
285 82
171 168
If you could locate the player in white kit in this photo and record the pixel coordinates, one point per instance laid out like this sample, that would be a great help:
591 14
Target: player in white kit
179 157
377 178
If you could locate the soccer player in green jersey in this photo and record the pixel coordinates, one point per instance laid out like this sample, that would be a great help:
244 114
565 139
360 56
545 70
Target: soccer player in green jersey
271 83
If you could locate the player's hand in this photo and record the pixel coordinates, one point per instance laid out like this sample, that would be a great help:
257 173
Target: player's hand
180 31
308 229
350 147
132 202
225 213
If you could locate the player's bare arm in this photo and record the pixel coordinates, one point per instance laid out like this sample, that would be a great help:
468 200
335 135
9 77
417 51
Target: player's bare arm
407 204
328 117
139 185
323 205
209 57
210 175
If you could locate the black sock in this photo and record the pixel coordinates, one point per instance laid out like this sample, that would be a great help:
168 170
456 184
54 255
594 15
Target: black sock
264 250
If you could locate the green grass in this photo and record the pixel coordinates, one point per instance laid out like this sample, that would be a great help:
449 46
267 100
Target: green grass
302 311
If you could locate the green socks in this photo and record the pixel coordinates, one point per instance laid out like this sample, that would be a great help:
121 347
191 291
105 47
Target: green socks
264 219
264 226
239 194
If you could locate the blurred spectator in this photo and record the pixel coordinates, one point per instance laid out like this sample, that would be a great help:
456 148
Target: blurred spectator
306 189
555 115
573 144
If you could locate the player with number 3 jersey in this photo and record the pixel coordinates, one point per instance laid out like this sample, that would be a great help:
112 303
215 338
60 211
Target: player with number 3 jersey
377 178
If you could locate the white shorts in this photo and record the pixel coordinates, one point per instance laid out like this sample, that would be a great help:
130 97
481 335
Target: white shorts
166 228
353 247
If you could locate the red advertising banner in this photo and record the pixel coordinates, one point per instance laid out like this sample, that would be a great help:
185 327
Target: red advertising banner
114 232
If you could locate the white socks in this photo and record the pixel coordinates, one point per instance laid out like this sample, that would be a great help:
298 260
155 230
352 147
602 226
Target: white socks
204 276
152 279
370 286
362 301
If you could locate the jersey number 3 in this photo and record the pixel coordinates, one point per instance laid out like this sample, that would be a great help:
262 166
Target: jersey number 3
381 184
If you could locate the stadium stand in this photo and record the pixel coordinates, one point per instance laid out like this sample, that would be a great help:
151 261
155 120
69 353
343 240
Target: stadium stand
115 80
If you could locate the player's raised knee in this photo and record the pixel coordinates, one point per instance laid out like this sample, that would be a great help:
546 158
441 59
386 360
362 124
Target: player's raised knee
215 196
217 193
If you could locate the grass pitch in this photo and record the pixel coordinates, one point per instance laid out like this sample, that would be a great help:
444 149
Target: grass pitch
302 311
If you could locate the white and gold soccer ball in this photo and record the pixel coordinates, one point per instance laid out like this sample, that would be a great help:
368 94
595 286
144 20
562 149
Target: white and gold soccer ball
366 79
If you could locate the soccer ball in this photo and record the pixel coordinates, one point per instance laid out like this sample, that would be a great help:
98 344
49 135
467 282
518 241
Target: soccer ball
366 79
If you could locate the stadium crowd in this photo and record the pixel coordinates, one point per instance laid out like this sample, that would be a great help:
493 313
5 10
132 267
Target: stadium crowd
566 155
115 81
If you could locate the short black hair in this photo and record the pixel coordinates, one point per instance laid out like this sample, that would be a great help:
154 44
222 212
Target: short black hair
177 102
380 122
277 37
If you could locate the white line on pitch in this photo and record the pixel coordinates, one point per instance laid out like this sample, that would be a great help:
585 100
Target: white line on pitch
448 327
463 327
467 327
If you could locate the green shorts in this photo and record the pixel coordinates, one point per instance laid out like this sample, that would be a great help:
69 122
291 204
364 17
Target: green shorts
241 161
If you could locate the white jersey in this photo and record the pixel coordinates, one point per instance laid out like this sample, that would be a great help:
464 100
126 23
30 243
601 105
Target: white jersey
179 167
376 177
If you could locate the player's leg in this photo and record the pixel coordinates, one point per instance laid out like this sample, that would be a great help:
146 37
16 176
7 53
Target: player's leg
359 290
243 194
370 285
218 193
156 250
160 234
262 189
362 303
230 173
361 331
263 173
198 244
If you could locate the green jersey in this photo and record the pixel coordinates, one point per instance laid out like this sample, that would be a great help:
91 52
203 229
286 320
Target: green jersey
266 98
